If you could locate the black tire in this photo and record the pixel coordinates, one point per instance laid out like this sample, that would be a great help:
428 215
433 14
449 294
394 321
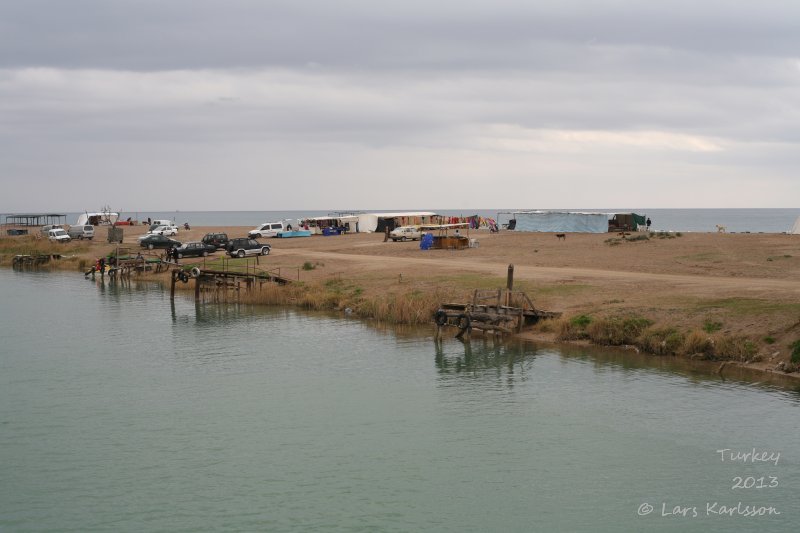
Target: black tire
180 256
150 246
440 317
240 253
265 251
403 239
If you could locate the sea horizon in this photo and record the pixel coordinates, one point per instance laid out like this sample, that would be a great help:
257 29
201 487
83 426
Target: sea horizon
753 220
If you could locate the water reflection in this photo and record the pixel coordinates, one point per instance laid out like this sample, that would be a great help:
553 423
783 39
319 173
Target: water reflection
480 356
473 358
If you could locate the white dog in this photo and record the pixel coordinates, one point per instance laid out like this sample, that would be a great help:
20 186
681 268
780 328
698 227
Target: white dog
721 229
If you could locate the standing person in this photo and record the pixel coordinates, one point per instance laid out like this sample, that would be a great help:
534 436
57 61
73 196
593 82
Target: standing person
648 223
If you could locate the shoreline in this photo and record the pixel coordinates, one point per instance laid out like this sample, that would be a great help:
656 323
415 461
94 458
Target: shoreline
701 285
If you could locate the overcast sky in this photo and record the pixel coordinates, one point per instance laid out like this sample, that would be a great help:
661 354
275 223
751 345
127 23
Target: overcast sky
322 105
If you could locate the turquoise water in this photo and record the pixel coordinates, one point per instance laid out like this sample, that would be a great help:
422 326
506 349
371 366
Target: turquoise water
122 412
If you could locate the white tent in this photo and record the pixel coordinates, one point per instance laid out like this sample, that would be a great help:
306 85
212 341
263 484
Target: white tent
369 222
796 228
561 222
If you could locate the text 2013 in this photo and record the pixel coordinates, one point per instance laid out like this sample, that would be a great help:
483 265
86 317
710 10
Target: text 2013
750 482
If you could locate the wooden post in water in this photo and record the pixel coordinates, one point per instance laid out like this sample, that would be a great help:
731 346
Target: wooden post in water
172 286
197 289
509 284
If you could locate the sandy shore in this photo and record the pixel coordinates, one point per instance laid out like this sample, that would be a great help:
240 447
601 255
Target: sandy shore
748 284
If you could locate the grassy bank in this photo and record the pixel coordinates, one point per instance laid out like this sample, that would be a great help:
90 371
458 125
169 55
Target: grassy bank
413 302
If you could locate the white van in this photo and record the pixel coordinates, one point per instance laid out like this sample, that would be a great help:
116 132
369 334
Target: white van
267 229
157 223
46 229
81 232
58 235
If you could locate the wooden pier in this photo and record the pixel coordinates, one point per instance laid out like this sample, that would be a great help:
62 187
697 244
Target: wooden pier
221 283
496 311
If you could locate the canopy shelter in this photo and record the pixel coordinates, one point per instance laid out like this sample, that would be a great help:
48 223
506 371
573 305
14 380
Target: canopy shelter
626 222
36 219
443 239
796 228
323 224
380 221
572 221
102 218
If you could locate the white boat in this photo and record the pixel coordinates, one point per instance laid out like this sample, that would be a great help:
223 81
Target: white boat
105 218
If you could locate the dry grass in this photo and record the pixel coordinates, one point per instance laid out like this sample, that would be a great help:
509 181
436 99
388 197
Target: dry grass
398 307
573 328
735 347
37 245
698 343
617 331
661 341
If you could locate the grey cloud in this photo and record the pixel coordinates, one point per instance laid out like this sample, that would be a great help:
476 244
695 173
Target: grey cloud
438 93
150 35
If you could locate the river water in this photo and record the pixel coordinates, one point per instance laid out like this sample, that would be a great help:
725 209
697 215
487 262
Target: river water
122 412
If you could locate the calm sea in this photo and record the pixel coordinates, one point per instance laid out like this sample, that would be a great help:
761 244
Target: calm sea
121 411
702 220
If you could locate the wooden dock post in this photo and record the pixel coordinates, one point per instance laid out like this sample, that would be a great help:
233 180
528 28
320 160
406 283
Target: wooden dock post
174 278
509 284
197 289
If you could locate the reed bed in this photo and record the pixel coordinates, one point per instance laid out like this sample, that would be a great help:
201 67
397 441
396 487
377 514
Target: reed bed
36 245
657 340
408 306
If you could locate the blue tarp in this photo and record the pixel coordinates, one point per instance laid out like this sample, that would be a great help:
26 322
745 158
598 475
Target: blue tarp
426 241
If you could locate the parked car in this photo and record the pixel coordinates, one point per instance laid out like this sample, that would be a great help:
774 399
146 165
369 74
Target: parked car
81 232
219 240
268 229
406 233
160 230
58 235
195 249
158 241
165 230
245 246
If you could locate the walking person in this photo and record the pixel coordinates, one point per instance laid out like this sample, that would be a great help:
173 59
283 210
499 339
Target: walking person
648 223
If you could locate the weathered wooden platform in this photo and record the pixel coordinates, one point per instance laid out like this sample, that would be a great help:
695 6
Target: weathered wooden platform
223 281
499 311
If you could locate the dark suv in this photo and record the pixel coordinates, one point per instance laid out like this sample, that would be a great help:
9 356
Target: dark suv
220 240
245 246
